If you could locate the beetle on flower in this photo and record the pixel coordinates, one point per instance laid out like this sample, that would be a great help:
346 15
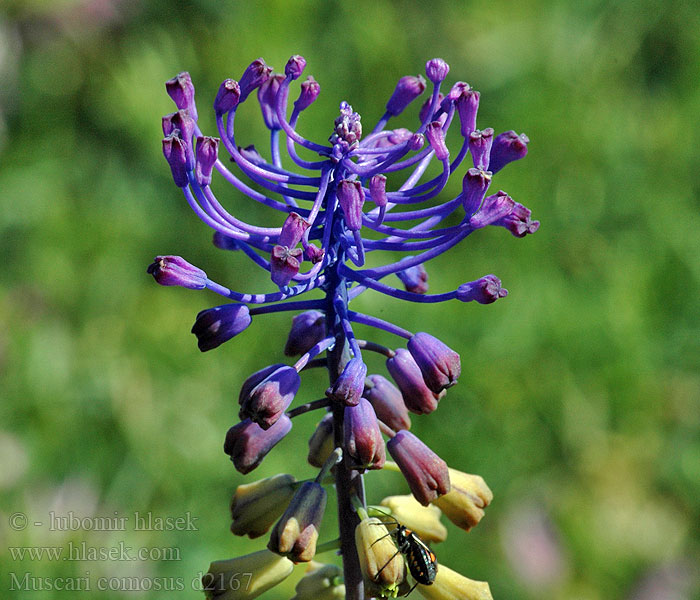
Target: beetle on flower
317 242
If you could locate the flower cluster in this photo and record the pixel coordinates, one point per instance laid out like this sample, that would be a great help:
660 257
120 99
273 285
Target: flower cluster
320 244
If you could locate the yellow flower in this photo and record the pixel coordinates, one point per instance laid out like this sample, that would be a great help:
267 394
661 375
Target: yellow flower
383 568
464 504
321 582
450 585
245 577
422 520
256 506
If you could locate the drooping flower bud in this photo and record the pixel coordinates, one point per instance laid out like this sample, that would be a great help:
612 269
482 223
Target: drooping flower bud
406 373
423 114
425 472
254 76
292 230
423 520
467 105
180 120
321 442
465 502
217 325
485 290
474 186
207 151
492 209
181 90
377 190
175 152
321 582
507 147
387 402
480 147
414 279
407 90
284 264
451 585
436 138
267 94
457 90
364 446
247 443
308 329
253 380
295 66
256 506
351 197
347 389
296 533
383 567
436 70
416 141
439 364
268 400
175 270
246 577
228 96
519 222
310 89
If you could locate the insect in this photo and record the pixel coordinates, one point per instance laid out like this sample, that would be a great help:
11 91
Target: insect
421 560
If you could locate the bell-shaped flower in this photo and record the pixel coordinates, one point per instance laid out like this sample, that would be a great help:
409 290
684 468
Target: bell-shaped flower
254 76
493 208
267 401
506 148
347 389
417 397
450 585
321 442
407 90
284 264
256 506
383 567
439 364
422 520
414 279
308 329
296 533
321 582
267 97
214 326
351 197
181 90
175 270
247 443
207 151
425 472
228 96
485 290
246 577
518 222
310 89
464 504
364 446
387 401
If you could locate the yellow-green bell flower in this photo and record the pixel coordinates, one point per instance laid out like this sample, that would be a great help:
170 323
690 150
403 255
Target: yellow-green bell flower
245 577
256 506
465 502
422 520
450 585
383 567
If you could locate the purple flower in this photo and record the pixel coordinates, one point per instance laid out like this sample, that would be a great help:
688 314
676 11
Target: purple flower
436 70
267 96
266 402
253 77
347 389
175 152
247 443
493 209
364 446
175 270
439 364
207 151
406 373
181 90
425 472
308 329
351 198
518 222
507 147
228 96
415 279
387 401
407 90
217 325
310 90
485 290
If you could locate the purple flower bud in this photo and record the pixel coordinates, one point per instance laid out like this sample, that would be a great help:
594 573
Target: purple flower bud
308 329
207 151
377 190
474 186
296 533
423 114
267 95
458 89
351 197
310 89
254 76
247 443
507 147
467 106
175 270
414 279
439 364
407 90
484 290
387 402
436 138
314 254
284 264
175 152
518 222
321 442
417 397
347 389
295 66
217 325
494 207
417 141
425 472
436 70
228 96
364 446
292 230
269 399
181 90
480 147
224 242
253 380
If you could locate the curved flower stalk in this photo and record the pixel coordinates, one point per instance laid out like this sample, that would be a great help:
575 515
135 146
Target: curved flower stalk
316 240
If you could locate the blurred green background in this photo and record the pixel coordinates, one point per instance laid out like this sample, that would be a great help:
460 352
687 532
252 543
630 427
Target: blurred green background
578 401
